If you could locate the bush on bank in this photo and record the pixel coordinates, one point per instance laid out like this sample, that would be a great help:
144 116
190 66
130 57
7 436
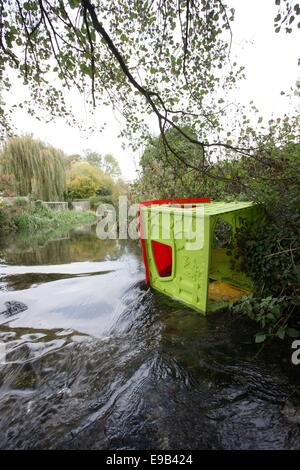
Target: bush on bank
7 219
37 218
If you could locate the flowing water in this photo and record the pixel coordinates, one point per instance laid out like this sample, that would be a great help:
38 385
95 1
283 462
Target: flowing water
95 359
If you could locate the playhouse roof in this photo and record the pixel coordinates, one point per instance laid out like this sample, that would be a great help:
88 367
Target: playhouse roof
210 208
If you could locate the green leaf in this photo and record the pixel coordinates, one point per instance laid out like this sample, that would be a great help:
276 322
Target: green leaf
123 37
271 316
281 332
293 333
260 337
74 3
291 19
85 69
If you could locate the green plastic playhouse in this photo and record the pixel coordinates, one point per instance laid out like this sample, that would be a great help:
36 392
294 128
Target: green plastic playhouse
202 271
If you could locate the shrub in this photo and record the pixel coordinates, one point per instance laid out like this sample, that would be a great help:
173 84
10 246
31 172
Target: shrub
81 187
20 201
37 218
270 248
85 180
97 200
7 219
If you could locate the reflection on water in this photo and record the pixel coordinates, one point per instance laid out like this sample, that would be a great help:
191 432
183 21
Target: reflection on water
98 360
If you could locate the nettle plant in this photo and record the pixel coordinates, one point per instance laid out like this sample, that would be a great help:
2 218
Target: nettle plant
270 314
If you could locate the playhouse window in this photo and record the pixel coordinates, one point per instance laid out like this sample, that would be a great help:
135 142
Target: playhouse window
162 255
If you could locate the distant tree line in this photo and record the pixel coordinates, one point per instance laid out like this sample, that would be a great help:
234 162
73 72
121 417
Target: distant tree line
106 163
29 167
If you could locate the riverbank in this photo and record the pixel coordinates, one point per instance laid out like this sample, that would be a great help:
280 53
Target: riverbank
30 219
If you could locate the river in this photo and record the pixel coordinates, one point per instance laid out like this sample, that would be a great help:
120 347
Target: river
94 359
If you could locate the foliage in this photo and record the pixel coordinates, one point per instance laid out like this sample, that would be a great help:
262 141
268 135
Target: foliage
82 42
107 163
7 219
20 201
286 16
93 158
97 200
273 315
170 58
37 169
80 187
6 185
111 166
163 175
120 188
181 49
70 159
39 218
85 180
270 247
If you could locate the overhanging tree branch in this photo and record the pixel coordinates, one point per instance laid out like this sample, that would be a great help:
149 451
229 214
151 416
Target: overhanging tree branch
152 96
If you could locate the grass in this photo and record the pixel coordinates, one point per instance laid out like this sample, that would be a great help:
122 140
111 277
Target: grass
31 219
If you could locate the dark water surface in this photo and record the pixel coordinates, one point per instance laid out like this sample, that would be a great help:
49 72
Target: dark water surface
95 359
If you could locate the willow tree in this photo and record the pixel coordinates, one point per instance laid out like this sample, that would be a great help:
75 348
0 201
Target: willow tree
38 169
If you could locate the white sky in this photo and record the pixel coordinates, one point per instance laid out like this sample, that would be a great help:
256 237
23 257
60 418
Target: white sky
271 66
